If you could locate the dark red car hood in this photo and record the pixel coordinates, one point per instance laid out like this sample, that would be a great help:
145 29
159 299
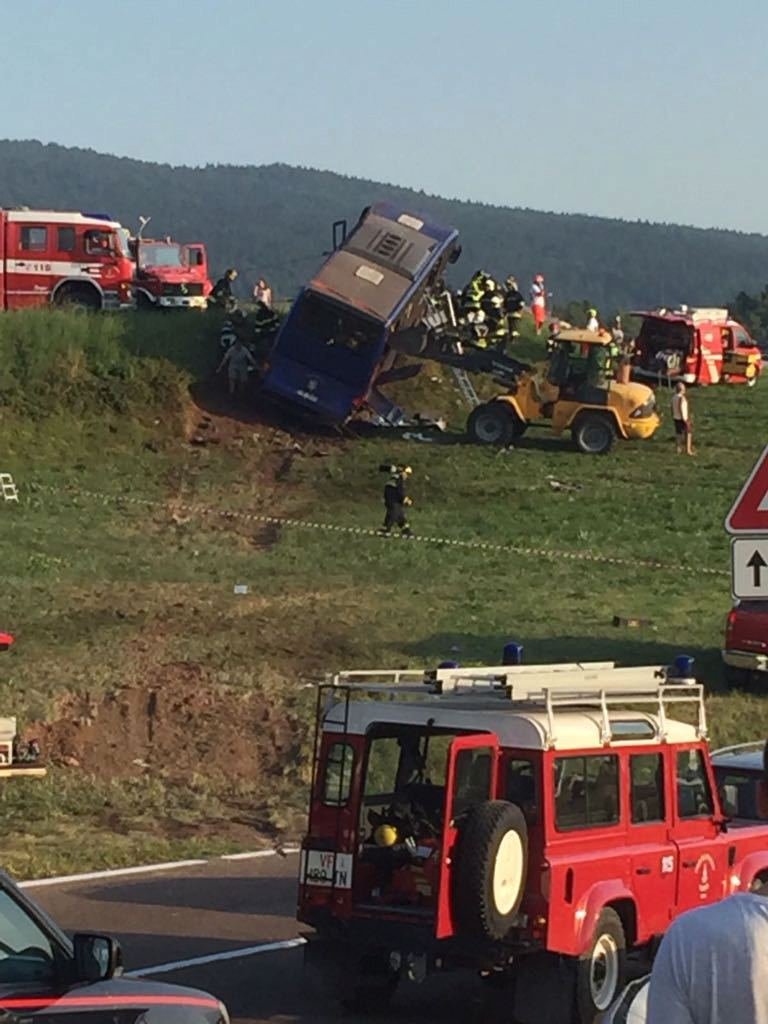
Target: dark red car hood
118 1001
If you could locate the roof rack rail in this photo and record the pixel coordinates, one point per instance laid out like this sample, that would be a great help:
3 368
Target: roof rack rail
600 685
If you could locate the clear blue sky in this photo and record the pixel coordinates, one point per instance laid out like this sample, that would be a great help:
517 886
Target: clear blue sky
634 108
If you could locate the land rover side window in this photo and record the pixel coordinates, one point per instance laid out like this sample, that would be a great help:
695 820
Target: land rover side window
65 239
26 953
586 791
694 799
34 239
472 783
646 772
338 774
520 787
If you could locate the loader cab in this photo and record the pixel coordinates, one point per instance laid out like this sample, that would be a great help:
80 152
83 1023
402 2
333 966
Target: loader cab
580 364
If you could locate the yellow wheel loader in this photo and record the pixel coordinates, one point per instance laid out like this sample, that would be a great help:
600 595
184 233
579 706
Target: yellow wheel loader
573 391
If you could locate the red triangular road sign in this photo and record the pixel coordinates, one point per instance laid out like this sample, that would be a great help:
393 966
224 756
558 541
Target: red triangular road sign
749 513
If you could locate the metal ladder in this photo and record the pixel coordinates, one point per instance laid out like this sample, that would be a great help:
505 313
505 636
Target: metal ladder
466 387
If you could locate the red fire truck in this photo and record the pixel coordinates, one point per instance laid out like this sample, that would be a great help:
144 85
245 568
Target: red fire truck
699 346
170 275
49 256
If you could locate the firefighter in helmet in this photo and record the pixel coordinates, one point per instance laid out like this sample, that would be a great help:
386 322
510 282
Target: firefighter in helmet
492 304
221 296
514 304
396 500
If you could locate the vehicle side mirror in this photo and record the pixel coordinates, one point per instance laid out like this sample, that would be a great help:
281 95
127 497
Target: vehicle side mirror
97 957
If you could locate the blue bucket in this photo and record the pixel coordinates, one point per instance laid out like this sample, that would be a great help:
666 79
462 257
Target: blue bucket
513 654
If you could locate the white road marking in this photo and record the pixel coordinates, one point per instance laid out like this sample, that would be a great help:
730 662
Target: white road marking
91 876
286 851
230 954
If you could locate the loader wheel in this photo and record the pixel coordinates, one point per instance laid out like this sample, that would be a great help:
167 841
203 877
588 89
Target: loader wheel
492 869
594 434
494 423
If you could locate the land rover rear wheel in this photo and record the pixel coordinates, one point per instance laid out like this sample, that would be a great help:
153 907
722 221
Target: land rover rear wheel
370 986
601 972
491 869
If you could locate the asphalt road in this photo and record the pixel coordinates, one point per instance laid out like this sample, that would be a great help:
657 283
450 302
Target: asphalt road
225 906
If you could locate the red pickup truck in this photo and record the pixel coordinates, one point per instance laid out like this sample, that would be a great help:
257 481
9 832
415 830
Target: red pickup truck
745 655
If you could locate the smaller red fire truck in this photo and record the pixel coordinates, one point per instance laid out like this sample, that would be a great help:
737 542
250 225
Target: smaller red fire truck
77 259
170 275
533 822
697 346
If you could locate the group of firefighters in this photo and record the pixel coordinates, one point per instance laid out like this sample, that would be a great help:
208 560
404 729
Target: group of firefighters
491 313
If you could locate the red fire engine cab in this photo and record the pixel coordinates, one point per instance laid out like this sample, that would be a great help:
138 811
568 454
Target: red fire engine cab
533 822
49 256
697 346
170 275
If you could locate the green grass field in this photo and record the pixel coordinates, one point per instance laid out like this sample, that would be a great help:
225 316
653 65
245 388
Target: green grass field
176 708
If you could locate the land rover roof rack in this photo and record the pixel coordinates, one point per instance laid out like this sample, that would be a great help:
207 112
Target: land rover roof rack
548 688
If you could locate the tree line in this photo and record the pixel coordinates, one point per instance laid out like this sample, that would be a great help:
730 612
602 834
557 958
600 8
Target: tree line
275 221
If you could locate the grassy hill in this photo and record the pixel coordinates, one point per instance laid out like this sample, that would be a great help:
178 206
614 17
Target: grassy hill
276 220
174 708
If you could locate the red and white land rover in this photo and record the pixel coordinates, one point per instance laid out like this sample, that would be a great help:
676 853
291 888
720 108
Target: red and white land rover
531 822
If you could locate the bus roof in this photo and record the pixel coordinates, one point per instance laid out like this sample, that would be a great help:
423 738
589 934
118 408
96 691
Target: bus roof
383 261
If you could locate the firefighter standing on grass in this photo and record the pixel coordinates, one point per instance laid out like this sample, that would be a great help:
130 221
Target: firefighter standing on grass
396 500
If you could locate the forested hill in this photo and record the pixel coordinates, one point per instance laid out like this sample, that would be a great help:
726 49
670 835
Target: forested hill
276 221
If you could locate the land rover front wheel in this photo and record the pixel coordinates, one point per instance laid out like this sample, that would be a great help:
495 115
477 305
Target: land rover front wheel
594 434
601 971
491 869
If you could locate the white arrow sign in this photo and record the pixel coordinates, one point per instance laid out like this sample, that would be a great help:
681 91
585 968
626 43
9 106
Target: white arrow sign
749 568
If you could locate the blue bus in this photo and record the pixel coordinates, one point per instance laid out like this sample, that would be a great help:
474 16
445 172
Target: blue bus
334 342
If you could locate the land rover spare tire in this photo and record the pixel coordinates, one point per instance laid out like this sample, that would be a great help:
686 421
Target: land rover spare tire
491 869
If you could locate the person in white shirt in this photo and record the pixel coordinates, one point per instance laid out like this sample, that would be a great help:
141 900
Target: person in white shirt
593 324
263 293
712 965
538 302
681 416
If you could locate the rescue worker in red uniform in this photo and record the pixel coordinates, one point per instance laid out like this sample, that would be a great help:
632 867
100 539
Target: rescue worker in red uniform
538 302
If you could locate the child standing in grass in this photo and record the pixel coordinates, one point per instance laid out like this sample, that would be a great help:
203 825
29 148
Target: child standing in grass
681 415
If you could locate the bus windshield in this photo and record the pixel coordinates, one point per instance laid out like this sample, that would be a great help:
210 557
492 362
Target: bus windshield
330 339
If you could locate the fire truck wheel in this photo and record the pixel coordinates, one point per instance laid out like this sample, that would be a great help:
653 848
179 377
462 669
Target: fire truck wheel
602 972
493 862
594 433
80 296
493 423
